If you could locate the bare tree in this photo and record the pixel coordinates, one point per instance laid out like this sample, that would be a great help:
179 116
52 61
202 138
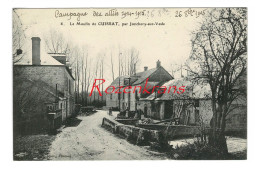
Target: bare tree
90 77
77 72
134 59
219 57
112 66
129 61
18 38
82 78
85 80
96 74
102 75
56 43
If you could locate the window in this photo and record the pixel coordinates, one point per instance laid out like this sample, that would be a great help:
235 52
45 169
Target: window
60 105
110 96
197 116
69 86
153 107
197 103
50 108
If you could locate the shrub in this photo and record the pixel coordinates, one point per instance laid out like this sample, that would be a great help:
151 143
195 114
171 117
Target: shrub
162 144
201 151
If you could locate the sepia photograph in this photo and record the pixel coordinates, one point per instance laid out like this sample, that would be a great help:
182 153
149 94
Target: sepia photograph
129 83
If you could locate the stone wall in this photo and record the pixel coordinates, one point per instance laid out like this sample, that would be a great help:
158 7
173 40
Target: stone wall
44 79
50 76
136 135
149 132
128 121
30 115
173 131
112 100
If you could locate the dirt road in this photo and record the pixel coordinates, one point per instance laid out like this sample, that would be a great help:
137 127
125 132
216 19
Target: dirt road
89 141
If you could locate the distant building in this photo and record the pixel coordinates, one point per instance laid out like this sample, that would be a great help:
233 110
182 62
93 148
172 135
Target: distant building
49 78
129 101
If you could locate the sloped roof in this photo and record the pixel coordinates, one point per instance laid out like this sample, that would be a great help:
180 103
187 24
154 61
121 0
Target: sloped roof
136 79
149 87
46 59
58 54
116 81
143 75
191 91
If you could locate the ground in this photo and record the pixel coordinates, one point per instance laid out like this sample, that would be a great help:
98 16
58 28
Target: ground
234 144
83 138
89 141
32 147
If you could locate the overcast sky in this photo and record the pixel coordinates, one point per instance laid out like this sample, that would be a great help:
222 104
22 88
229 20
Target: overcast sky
169 43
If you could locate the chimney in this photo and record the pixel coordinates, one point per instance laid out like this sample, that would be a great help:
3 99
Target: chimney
158 64
36 48
145 68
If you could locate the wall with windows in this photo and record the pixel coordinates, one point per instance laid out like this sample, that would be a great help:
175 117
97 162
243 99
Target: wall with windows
112 100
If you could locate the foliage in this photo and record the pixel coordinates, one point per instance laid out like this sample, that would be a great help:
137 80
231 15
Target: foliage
18 38
162 144
202 151
219 58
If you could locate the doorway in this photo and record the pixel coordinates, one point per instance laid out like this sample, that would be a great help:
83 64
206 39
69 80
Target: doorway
168 112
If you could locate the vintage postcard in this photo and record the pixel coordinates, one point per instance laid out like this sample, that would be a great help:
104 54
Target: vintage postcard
129 83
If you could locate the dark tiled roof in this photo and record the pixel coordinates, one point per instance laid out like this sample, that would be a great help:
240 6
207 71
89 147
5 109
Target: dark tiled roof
143 75
116 81
149 87
135 79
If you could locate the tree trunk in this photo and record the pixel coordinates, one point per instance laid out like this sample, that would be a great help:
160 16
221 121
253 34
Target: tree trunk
217 137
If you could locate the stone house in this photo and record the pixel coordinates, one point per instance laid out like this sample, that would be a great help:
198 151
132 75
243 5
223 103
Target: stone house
188 107
130 101
50 74
193 107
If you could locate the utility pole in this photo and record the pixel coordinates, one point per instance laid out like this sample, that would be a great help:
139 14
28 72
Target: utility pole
102 78
119 81
129 96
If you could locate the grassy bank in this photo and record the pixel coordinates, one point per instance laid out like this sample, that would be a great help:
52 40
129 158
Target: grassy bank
32 147
198 151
